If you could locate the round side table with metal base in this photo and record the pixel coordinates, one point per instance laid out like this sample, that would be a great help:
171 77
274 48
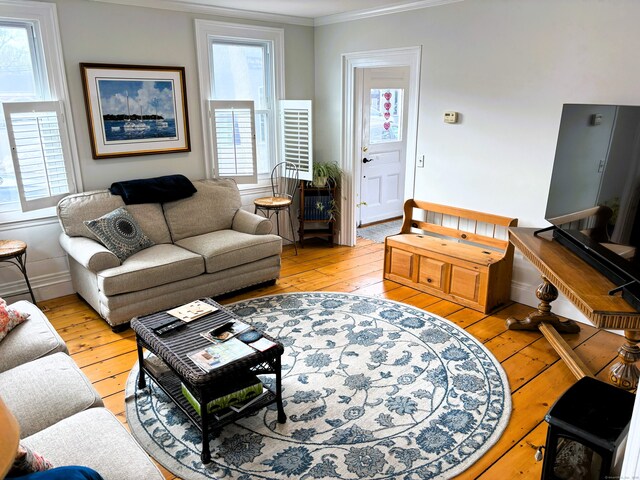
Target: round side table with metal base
15 252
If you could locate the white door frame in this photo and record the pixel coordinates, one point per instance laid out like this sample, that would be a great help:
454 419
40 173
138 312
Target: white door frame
394 57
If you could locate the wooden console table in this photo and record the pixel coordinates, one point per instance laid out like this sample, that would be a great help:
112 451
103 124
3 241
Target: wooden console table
588 290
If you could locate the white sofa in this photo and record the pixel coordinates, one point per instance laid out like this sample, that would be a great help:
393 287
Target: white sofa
60 414
205 245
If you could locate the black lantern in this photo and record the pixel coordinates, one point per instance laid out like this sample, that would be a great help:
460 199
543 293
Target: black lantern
587 425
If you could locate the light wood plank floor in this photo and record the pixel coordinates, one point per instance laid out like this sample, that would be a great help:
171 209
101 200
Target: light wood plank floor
536 374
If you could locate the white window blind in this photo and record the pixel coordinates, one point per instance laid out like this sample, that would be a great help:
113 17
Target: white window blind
234 140
40 151
296 135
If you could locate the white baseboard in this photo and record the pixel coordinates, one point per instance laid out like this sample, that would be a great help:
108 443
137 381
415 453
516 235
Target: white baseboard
44 287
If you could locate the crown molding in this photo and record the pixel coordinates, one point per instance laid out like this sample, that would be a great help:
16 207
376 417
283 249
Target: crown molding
197 7
379 11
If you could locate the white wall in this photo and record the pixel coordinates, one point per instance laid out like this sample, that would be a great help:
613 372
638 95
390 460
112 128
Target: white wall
98 32
507 66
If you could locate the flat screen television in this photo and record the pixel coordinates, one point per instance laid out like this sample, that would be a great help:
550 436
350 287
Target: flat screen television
594 194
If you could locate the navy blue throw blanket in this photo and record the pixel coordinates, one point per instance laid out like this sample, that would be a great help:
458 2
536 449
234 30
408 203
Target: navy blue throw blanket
153 190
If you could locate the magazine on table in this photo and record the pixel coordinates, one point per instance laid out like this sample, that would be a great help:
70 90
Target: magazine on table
226 331
220 354
262 344
192 311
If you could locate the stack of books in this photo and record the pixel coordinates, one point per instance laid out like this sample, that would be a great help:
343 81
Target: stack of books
317 207
156 367
237 394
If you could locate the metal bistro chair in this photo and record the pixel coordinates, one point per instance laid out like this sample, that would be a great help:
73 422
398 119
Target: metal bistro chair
284 183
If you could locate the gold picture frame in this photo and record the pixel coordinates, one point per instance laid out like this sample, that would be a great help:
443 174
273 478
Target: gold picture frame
135 110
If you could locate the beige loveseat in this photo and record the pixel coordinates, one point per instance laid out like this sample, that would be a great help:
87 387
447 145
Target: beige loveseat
204 245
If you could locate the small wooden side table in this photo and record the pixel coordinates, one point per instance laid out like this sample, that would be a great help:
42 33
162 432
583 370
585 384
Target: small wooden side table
323 222
15 252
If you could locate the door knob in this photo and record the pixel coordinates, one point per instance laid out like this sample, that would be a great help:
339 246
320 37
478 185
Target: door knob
367 160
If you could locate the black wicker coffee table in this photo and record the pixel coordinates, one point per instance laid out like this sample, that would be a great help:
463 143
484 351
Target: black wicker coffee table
173 349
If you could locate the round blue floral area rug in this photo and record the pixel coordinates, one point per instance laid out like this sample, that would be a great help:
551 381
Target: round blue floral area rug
372 389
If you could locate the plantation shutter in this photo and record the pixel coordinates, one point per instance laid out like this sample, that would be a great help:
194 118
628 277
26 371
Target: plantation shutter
41 152
234 140
296 139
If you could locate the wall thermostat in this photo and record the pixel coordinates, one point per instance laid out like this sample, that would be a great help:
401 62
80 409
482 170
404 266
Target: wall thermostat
450 117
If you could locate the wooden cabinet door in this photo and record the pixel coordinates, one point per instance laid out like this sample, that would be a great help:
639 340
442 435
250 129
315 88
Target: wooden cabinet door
465 283
401 263
434 273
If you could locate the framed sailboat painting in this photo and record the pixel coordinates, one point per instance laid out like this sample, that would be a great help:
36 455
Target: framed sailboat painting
135 110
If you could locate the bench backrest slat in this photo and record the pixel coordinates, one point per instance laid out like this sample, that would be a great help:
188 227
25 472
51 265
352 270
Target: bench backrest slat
466 225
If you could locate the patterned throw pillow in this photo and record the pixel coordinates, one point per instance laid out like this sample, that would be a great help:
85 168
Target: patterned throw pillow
9 318
27 461
120 233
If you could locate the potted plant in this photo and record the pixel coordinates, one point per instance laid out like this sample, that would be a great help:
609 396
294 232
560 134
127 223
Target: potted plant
324 172
331 208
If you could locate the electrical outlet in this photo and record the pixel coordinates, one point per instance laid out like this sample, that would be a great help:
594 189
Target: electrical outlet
421 161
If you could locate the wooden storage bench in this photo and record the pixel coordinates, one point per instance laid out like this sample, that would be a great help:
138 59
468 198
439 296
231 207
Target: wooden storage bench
456 254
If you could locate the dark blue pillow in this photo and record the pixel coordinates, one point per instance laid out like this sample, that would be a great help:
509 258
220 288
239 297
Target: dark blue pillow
62 473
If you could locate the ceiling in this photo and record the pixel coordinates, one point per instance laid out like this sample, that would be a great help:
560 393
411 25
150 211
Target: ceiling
302 12
303 8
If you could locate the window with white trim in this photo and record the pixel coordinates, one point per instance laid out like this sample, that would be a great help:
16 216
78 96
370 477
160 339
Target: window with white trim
242 71
240 63
37 155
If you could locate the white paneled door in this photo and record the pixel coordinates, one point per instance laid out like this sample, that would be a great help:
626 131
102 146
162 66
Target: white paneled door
382 105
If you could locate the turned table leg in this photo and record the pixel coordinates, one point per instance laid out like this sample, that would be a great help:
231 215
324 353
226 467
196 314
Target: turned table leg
549 325
625 373
546 293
